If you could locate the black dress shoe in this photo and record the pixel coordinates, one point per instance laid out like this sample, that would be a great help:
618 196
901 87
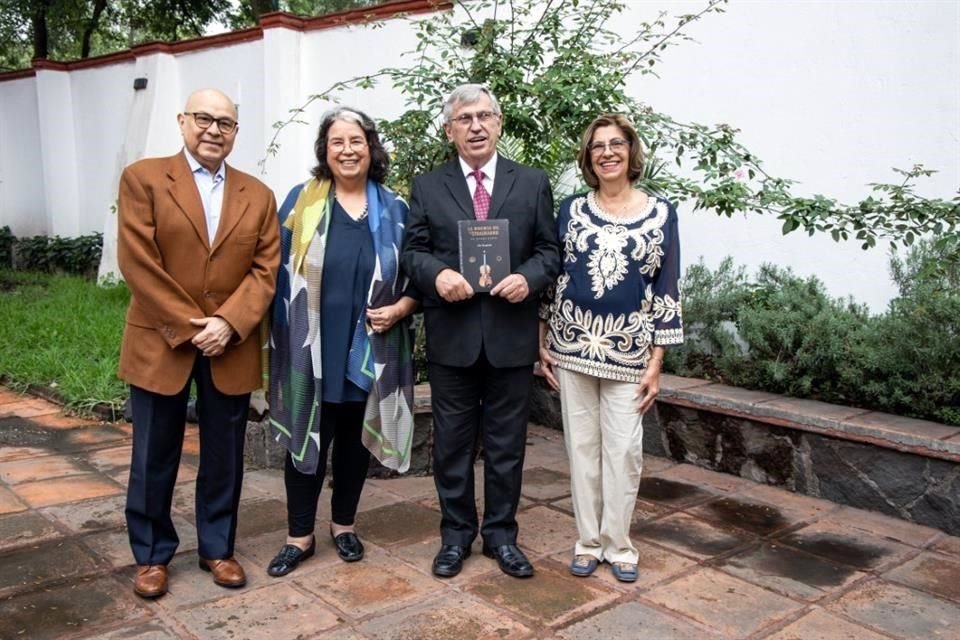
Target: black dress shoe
289 557
449 561
511 560
348 545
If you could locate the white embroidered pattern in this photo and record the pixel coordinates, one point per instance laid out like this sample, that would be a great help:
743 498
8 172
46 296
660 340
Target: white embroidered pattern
615 346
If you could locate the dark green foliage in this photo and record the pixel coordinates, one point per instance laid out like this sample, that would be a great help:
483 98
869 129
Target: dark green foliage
7 240
80 255
783 334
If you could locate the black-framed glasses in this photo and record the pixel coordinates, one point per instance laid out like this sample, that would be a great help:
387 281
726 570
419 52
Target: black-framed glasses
615 145
204 120
466 119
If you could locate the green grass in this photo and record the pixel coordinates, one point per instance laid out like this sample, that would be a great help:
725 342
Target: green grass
62 332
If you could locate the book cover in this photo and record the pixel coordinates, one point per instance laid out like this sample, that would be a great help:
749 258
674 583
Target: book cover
484 252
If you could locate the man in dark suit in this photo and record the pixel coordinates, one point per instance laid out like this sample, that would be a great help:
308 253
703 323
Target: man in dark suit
199 248
480 347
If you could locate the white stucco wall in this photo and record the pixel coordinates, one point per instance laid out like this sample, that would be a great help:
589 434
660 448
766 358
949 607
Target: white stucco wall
830 94
22 202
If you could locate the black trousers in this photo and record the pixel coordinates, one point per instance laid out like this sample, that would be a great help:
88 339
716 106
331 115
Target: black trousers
494 404
158 427
341 423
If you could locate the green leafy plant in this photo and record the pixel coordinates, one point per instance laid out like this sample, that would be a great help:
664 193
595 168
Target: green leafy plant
7 240
556 65
781 333
80 255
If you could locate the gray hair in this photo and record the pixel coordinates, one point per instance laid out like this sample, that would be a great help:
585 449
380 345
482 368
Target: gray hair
468 94
347 114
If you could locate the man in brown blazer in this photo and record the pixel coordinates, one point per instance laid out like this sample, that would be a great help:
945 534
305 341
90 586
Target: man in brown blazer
199 249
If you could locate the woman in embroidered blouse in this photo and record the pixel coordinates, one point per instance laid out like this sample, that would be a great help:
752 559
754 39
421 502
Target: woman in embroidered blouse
603 330
340 345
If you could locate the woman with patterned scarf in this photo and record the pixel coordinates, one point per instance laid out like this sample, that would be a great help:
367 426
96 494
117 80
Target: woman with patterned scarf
340 346
613 311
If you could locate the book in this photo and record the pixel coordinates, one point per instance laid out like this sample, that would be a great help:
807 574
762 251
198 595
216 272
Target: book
484 252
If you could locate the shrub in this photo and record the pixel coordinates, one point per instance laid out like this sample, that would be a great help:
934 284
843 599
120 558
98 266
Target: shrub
784 334
79 256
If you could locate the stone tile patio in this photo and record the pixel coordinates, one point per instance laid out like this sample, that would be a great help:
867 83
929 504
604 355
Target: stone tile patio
720 558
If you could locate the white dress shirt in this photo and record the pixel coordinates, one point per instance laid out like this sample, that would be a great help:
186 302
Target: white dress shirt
489 173
210 186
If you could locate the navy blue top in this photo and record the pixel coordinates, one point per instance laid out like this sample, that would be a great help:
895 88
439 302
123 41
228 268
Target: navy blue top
619 292
347 270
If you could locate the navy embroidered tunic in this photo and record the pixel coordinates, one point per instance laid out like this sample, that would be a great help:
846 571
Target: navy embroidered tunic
618 294
347 269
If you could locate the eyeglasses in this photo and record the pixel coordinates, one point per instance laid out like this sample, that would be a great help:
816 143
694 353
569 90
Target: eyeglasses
615 145
338 145
466 119
204 120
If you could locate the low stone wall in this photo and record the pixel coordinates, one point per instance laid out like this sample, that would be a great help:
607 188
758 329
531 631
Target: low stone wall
898 466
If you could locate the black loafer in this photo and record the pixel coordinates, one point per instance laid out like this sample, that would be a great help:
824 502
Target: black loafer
449 561
289 557
349 547
511 560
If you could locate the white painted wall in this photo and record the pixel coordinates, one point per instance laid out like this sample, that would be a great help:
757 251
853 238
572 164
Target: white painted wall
22 200
831 94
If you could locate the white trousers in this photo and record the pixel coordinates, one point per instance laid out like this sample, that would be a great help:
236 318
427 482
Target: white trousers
604 437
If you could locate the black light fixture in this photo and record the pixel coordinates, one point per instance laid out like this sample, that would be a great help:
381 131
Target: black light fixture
139 83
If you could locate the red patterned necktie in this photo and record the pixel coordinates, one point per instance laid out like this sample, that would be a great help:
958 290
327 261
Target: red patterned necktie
481 199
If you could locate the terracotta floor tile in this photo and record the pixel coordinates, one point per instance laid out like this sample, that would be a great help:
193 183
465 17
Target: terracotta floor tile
20 453
113 546
257 517
375 584
853 547
261 550
635 620
820 625
723 603
399 523
25 528
7 396
947 544
655 464
61 490
20 471
759 518
27 408
95 436
551 597
9 502
66 610
692 536
267 483
673 493
545 531
62 421
900 611
705 478
151 630
269 613
90 515
790 572
26 567
930 572
109 461
407 487
453 615
885 527
801 506
545 484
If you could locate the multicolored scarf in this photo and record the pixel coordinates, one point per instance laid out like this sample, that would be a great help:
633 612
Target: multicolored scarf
379 363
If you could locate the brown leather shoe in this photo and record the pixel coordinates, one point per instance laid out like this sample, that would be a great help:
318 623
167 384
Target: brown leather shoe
226 573
151 580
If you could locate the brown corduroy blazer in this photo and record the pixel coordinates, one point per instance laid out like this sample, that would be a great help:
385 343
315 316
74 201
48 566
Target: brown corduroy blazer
174 274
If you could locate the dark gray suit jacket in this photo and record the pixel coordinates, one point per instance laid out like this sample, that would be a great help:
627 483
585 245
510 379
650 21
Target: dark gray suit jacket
456 331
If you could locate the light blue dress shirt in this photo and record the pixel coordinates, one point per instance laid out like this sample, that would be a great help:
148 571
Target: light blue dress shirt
210 186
